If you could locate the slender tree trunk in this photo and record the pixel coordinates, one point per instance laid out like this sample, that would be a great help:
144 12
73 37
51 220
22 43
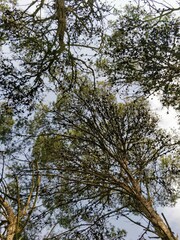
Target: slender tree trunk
11 229
161 228
11 219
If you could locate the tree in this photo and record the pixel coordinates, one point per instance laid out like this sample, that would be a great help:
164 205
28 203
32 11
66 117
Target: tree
103 159
17 203
44 45
98 158
18 192
143 51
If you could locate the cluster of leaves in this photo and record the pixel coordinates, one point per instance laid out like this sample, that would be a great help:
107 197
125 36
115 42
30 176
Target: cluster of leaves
32 39
143 50
6 121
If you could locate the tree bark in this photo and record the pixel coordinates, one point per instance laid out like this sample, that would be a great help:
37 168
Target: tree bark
11 219
162 230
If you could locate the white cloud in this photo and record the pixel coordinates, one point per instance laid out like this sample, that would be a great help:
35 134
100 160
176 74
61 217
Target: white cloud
168 116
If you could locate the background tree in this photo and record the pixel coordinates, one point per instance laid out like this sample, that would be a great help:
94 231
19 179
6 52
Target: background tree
144 52
18 197
18 190
44 43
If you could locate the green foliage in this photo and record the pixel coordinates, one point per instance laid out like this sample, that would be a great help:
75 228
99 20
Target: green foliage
39 118
46 148
42 40
143 50
6 121
103 157
99 156
5 5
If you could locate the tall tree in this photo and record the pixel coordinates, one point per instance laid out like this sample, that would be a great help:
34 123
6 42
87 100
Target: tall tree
103 159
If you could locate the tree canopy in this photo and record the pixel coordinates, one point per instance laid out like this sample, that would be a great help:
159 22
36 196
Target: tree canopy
80 148
144 50
44 41
106 159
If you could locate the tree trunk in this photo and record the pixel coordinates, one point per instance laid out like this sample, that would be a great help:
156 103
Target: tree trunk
162 230
11 219
11 229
